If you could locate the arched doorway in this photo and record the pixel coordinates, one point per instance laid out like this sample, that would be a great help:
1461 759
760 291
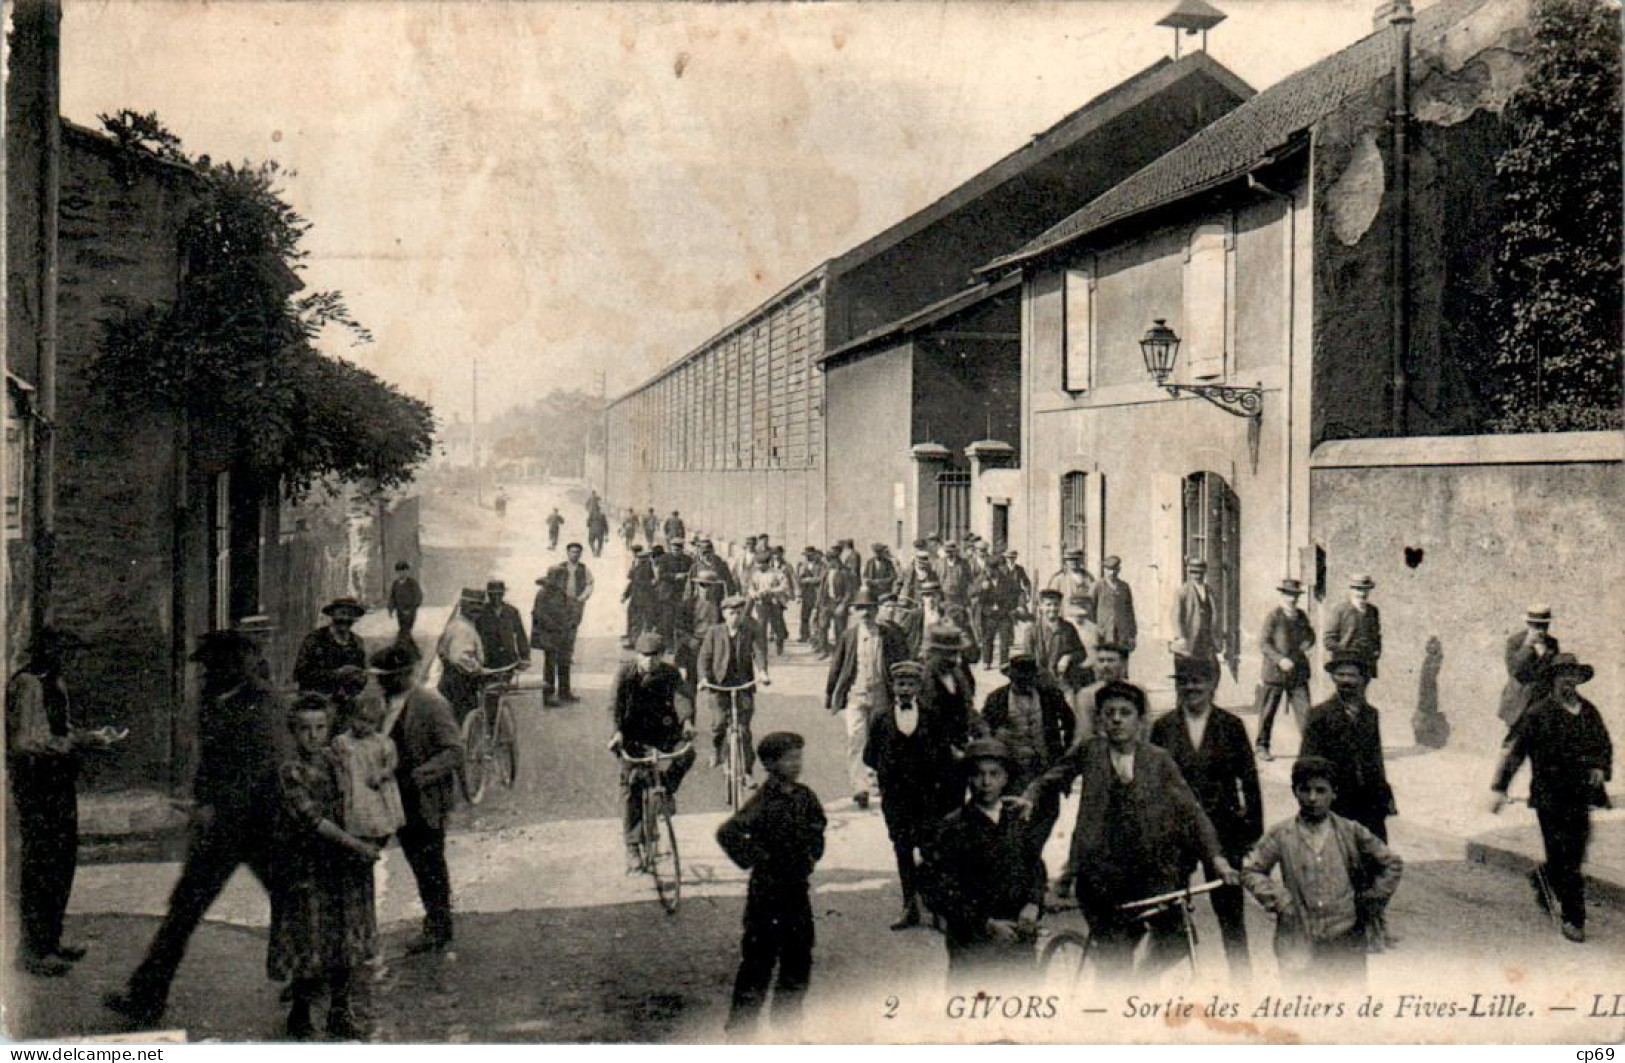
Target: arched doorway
1212 532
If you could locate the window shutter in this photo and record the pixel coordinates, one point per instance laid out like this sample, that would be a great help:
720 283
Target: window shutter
1077 356
1206 333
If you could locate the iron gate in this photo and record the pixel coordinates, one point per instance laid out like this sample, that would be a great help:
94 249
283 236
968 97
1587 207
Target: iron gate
953 504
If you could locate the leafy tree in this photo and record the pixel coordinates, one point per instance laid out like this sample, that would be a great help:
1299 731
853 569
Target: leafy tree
238 348
1559 284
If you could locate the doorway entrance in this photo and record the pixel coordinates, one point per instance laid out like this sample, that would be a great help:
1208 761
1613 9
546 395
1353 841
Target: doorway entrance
1212 532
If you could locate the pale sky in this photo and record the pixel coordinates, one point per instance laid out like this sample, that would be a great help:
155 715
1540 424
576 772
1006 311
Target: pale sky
562 189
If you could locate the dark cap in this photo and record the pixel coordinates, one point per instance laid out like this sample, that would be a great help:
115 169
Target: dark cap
392 660
777 744
401 566
651 642
1123 692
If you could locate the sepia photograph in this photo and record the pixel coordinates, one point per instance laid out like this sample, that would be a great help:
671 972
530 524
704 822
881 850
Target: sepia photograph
885 523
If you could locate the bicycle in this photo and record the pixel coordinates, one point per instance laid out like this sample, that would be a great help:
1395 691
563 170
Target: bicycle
738 779
1067 962
658 843
490 737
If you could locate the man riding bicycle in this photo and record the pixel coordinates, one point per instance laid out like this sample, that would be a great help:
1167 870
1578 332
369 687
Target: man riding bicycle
732 654
652 713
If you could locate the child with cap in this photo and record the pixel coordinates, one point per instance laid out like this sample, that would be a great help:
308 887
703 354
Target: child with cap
1321 906
779 837
984 877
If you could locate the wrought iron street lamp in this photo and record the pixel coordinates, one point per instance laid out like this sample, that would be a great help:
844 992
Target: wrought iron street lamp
1160 346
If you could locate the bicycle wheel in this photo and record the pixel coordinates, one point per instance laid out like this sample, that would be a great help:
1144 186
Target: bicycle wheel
737 776
1065 964
660 850
476 756
505 749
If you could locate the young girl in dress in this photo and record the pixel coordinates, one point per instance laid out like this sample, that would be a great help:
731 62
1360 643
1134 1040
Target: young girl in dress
328 928
372 797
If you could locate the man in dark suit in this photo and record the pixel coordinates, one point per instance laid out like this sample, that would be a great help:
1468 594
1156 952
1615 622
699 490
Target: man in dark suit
1195 644
858 686
1058 648
1285 646
1529 654
242 740
405 599
430 750
1347 731
1036 725
332 646
1355 625
834 599
502 632
1210 746
733 653
1114 608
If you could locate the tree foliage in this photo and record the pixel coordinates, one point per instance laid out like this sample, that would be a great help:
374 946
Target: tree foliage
238 349
1559 281
557 430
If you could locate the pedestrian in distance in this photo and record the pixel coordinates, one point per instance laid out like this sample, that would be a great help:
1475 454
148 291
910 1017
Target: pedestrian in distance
834 601
858 686
809 575
911 751
985 881
328 928
1529 656
1285 645
405 599
577 583
674 527
1334 874
243 739
778 836
770 594
651 527
1571 759
550 627
1077 586
597 530
555 521
429 752
880 571
43 750
1195 644
1355 625
1211 749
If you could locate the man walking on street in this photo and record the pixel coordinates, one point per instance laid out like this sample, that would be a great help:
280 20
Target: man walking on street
502 632
651 527
331 647
1285 645
576 581
674 528
1529 656
770 595
236 797
405 599
1347 731
551 632
954 575
833 601
1077 589
1354 626
1114 611
1036 726
1571 760
733 653
809 577
429 751
858 688
555 521
998 599
1195 644
1059 651
1210 747
880 572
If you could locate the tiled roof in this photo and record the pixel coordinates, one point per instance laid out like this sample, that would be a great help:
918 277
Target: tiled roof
1236 142
930 315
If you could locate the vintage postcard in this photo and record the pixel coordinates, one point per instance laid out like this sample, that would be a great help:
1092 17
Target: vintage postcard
897 523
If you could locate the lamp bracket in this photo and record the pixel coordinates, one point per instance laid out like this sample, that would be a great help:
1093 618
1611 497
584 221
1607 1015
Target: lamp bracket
1239 402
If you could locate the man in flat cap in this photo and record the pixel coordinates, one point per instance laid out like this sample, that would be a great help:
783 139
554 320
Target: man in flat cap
405 599
651 713
236 797
809 576
858 686
733 654
332 646
576 580
1355 626
921 569
1195 644
834 600
1285 645
880 572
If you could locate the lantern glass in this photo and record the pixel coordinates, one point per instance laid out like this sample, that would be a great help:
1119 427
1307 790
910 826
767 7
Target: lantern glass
1160 346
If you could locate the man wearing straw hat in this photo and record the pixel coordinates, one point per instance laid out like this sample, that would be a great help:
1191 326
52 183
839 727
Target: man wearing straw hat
331 647
1355 626
1571 759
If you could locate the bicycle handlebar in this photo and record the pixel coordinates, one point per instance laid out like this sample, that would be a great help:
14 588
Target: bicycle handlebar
657 756
1166 898
725 690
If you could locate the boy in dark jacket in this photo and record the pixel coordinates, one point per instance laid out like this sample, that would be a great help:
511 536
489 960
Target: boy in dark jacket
983 876
779 837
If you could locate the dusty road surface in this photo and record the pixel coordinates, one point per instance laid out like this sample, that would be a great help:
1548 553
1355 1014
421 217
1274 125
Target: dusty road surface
555 943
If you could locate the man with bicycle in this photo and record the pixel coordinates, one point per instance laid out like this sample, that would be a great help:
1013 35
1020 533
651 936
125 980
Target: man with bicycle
733 655
652 712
